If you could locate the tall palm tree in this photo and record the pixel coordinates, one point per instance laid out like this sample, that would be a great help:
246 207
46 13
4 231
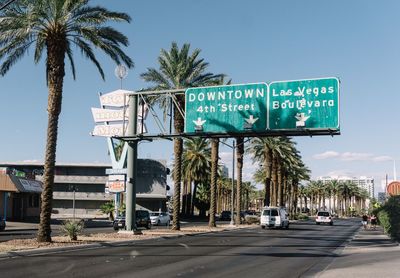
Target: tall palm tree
261 151
178 69
214 178
239 168
54 27
196 162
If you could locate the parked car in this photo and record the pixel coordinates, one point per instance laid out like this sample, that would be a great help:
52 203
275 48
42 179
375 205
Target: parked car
276 217
142 220
225 215
160 218
2 224
324 217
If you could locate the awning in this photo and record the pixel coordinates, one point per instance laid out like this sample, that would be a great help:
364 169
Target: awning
11 183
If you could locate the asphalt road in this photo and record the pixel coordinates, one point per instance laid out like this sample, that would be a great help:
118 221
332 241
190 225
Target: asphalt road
24 233
301 251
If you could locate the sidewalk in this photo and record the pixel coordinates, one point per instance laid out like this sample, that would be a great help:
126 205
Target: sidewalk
370 254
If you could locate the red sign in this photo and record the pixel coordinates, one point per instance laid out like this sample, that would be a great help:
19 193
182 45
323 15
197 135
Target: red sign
115 186
393 188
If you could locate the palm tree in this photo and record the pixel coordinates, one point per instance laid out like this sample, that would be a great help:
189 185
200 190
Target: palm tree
214 178
54 26
239 168
261 151
196 162
178 70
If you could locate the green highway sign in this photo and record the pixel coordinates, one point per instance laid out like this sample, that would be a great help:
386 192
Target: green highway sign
226 109
311 104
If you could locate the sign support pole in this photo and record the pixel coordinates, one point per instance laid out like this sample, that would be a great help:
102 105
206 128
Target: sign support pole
132 167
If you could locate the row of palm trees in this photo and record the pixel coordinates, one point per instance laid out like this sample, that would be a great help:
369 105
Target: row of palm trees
344 198
53 27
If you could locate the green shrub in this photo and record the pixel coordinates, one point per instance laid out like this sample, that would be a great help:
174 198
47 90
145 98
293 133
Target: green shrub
384 221
72 228
389 217
108 208
300 216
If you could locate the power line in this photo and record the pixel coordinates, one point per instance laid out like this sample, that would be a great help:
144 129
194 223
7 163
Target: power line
6 4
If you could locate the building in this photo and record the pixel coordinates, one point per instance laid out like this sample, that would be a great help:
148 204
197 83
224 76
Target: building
19 195
366 183
80 189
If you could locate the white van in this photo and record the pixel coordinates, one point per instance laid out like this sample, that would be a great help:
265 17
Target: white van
274 217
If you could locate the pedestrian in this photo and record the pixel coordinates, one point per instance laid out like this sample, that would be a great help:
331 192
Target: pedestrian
373 221
364 221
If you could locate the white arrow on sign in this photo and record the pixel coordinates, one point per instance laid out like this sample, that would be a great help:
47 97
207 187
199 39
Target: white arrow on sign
199 122
251 120
301 119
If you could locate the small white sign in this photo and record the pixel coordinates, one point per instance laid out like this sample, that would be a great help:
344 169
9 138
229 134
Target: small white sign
116 178
109 115
116 130
116 171
109 130
116 98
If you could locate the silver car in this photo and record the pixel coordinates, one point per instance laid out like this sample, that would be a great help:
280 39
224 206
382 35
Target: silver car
160 218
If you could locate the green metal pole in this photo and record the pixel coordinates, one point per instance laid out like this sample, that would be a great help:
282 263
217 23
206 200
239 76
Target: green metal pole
132 167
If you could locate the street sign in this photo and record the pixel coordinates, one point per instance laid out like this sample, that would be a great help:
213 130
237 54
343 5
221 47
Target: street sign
115 186
113 115
225 109
118 98
311 104
109 115
116 171
116 129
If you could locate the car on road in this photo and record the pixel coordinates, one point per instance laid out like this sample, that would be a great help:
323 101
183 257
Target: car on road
324 217
225 215
274 217
2 224
142 220
160 218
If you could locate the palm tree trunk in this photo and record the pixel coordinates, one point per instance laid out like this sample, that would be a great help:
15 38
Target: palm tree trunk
178 150
55 78
213 187
239 167
280 184
193 198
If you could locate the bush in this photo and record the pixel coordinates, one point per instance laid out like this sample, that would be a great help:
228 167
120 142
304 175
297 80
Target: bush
389 217
72 228
300 216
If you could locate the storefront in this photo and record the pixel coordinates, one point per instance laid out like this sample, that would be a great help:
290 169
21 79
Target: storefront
19 197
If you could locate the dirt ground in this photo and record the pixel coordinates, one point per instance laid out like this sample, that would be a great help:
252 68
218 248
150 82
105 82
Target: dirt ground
63 241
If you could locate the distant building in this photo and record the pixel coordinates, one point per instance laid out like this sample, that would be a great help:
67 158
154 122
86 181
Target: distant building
225 171
363 182
86 183
382 197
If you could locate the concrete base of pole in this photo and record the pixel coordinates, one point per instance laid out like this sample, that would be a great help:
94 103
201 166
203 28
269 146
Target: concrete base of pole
133 232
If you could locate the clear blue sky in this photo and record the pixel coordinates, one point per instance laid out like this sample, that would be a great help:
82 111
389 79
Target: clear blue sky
250 41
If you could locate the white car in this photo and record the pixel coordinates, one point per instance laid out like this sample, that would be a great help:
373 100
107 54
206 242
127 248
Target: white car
159 218
274 217
324 217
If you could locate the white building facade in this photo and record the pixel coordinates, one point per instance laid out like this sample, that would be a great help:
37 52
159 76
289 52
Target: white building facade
364 182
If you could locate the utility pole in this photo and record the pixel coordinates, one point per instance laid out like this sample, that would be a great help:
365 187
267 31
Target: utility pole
130 224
